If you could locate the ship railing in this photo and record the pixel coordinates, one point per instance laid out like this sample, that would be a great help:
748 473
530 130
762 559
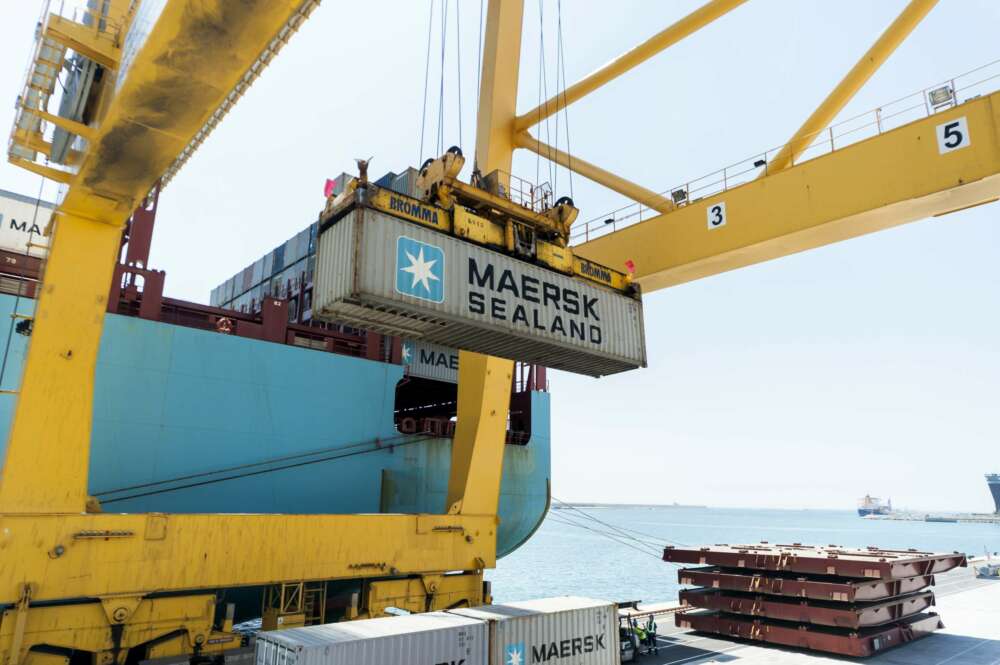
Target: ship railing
918 105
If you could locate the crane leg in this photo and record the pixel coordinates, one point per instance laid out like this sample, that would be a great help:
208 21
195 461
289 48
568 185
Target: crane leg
49 448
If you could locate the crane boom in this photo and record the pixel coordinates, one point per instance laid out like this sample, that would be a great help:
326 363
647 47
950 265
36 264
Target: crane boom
847 193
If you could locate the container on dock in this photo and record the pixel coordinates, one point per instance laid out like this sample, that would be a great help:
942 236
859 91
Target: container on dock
843 641
383 274
435 637
870 562
794 585
581 631
816 612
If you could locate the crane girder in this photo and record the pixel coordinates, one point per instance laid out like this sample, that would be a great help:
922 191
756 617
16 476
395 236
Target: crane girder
915 171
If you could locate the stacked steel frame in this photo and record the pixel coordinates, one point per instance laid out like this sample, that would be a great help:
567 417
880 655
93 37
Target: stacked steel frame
851 602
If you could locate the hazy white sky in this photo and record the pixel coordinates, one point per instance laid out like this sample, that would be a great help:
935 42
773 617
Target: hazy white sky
870 366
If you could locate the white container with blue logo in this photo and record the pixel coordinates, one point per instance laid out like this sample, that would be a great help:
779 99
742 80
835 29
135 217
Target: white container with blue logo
382 273
555 631
435 638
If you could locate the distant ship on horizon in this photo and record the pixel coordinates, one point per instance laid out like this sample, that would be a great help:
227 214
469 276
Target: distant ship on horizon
872 505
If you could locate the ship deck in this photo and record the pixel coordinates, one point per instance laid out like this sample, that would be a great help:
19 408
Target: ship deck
969 608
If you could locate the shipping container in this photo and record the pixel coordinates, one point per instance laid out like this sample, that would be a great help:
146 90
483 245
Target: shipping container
418 639
430 361
278 259
380 273
258 272
340 183
21 222
406 183
386 180
581 631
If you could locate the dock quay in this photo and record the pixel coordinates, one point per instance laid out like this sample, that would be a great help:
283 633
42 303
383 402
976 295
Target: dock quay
969 606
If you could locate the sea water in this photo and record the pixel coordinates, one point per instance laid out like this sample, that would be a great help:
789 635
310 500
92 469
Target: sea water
580 559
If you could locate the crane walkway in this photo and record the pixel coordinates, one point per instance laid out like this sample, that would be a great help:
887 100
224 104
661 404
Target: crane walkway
969 607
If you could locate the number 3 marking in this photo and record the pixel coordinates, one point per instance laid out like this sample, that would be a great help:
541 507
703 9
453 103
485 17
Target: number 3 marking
953 135
716 215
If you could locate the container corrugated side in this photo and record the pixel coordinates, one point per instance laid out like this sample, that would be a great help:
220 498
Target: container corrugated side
480 306
581 631
431 638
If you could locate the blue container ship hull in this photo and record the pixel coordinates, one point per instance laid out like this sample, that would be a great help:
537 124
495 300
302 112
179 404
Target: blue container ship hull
189 420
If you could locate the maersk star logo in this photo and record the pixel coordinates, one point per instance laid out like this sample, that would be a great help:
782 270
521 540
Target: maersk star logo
407 353
419 269
514 654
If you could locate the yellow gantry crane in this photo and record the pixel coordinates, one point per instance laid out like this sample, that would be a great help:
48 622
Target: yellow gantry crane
110 587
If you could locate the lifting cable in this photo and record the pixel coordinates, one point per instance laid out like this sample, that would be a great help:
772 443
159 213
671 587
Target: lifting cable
342 452
458 59
427 72
15 315
479 75
561 71
444 41
617 533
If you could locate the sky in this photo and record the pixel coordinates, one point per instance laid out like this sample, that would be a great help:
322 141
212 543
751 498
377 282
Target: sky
871 366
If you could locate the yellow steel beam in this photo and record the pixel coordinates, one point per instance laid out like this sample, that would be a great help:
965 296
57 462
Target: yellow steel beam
88 41
903 175
484 385
88 556
47 457
62 177
869 63
498 87
198 54
484 382
613 182
691 23
71 126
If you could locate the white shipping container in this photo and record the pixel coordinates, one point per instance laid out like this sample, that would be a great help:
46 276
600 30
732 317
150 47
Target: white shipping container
430 361
21 222
555 631
435 638
380 273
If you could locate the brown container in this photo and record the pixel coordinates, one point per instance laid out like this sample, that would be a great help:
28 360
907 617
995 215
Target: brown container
818 612
841 641
793 585
872 563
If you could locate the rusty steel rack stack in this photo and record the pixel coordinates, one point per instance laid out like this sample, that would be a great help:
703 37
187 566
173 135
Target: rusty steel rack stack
851 602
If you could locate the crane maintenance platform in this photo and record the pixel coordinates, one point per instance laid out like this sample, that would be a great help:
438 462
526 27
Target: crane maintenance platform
969 606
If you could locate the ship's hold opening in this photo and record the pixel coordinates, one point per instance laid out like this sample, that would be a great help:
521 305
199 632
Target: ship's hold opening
429 406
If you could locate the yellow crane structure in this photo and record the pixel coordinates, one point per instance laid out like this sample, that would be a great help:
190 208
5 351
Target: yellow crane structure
78 582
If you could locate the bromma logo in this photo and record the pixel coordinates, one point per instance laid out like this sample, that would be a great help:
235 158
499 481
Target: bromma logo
413 210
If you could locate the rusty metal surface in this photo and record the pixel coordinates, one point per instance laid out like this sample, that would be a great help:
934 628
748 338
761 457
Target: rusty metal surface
819 612
794 585
871 562
841 641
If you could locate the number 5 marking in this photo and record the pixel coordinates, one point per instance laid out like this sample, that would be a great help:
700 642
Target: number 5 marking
953 135
716 215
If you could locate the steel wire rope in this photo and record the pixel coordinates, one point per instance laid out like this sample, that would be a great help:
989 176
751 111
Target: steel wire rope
561 69
580 522
610 537
17 296
651 536
252 473
458 58
379 443
479 80
444 43
545 86
652 545
427 75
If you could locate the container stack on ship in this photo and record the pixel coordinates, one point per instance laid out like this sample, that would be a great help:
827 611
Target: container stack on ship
851 602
